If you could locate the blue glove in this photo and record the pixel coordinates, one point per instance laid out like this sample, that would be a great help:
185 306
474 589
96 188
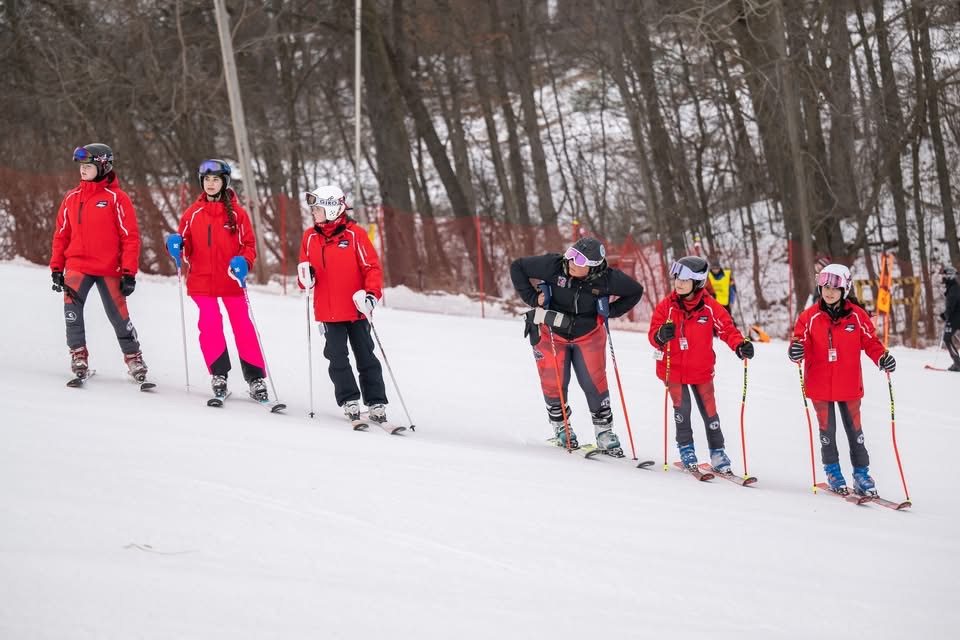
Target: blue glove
603 307
174 246
239 269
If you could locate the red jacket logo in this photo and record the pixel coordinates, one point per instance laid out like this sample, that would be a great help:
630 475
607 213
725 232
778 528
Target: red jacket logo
849 328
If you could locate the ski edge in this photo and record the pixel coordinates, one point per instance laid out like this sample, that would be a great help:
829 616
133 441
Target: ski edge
851 497
743 481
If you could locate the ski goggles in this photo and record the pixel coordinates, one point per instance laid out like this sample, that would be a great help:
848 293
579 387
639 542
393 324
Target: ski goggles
581 260
314 201
683 272
832 280
83 156
214 167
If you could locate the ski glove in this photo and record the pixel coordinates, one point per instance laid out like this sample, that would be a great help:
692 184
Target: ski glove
307 275
175 246
745 350
365 302
58 282
796 351
665 333
127 284
887 362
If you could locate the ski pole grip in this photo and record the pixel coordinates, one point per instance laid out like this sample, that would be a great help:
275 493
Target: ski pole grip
547 293
175 246
238 270
603 307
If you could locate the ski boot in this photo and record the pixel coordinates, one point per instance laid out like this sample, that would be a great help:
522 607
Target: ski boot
555 417
136 367
219 386
258 390
954 367
835 478
688 457
378 413
720 462
78 362
863 484
351 409
607 440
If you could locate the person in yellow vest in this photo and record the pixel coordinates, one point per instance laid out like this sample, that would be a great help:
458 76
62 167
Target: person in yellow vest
724 287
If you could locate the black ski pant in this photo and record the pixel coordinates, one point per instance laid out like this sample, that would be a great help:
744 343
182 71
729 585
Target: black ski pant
368 367
951 341
850 415
114 303
704 395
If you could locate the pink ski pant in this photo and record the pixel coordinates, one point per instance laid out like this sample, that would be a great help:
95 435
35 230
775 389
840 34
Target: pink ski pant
212 340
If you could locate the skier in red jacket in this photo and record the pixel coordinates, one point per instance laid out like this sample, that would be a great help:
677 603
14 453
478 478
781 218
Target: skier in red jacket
338 261
682 329
215 229
97 242
829 337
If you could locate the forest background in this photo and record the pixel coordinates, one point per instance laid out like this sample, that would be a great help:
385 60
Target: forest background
769 132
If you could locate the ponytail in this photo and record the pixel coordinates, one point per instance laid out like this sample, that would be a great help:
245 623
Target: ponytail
228 195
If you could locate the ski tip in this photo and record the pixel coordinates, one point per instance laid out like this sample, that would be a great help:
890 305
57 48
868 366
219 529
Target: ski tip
277 408
148 386
645 464
398 431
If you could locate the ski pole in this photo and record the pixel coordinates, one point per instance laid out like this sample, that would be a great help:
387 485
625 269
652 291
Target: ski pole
893 431
310 352
743 406
803 392
666 398
238 270
403 404
603 309
545 289
174 247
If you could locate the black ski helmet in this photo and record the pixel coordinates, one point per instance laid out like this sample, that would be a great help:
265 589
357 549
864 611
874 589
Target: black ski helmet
588 252
948 274
694 266
215 167
97 154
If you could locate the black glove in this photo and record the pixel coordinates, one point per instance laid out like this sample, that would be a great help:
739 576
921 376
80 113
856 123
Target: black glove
796 351
745 350
887 362
58 282
127 284
665 333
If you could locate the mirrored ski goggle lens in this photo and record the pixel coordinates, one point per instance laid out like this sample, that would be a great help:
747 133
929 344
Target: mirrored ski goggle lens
683 272
830 280
214 167
581 260
82 155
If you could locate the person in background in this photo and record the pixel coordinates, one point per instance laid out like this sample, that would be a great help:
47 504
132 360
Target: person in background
97 242
215 231
682 329
829 337
951 315
722 284
576 280
338 260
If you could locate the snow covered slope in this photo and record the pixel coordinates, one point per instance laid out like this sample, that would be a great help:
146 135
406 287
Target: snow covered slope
134 515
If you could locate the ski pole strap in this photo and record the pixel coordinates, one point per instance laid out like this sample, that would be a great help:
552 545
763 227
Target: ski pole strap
553 319
175 246
547 293
238 270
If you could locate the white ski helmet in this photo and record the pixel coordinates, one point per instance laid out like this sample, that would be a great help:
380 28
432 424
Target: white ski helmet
331 198
836 276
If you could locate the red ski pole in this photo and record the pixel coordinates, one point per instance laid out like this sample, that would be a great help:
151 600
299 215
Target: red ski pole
603 311
803 392
893 431
545 290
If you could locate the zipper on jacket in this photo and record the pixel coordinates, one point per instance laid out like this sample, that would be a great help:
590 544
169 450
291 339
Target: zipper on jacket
80 213
209 235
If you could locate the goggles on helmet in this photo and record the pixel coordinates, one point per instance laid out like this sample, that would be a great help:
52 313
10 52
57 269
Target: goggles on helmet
83 156
581 260
314 201
832 280
214 167
683 272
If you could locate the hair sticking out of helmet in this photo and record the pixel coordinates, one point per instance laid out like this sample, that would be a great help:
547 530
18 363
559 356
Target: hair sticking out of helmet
97 154
690 268
214 167
835 276
330 199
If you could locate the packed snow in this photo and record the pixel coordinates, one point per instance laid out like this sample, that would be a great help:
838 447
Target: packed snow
149 515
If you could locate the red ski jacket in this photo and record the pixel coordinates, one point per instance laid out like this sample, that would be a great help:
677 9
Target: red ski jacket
209 244
343 263
849 334
696 320
97 231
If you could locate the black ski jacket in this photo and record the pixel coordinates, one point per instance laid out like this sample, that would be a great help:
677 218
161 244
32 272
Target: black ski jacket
952 313
572 296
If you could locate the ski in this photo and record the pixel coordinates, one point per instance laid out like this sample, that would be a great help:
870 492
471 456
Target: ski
743 481
933 368
270 405
851 497
363 424
696 473
217 401
79 380
890 504
645 464
586 451
359 425
145 385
